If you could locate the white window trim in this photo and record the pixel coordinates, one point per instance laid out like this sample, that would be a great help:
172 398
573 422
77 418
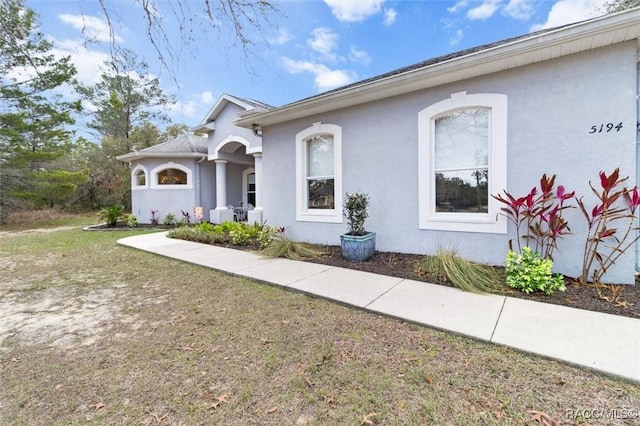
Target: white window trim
134 180
171 165
245 181
303 214
491 222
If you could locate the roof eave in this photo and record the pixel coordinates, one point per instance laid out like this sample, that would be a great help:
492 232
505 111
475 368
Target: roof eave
564 41
133 156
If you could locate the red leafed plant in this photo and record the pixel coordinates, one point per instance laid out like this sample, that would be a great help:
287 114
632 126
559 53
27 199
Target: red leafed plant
606 242
537 216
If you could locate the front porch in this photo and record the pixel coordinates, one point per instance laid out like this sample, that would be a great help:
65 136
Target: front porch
238 182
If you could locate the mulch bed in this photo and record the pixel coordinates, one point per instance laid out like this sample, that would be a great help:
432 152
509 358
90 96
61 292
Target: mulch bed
403 265
576 296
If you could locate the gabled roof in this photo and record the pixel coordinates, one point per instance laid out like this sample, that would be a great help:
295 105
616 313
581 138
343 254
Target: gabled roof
208 122
184 146
482 60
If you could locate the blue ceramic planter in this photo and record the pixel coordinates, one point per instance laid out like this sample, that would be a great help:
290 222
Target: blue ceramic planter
358 248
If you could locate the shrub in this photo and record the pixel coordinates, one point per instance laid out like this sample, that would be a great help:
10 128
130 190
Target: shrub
355 211
446 266
111 214
169 219
537 216
282 246
204 227
240 235
612 225
529 273
131 220
266 235
189 233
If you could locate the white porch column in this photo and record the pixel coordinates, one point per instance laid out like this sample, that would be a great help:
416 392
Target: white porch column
255 215
221 212
221 184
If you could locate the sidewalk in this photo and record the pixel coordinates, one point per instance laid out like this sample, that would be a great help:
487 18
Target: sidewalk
603 342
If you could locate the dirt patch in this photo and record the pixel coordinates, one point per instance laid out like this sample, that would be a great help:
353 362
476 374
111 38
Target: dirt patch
61 317
35 231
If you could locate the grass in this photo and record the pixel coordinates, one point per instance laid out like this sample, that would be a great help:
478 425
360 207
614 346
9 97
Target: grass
446 266
47 218
182 344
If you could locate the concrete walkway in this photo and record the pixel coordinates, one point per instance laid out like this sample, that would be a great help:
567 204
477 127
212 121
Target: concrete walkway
603 342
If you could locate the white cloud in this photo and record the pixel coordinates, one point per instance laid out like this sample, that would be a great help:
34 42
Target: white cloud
86 61
389 17
324 41
92 28
324 78
456 38
484 11
360 56
459 5
283 37
568 11
354 10
193 108
519 9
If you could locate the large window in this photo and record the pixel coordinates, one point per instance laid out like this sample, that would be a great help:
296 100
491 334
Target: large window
462 161
171 176
319 173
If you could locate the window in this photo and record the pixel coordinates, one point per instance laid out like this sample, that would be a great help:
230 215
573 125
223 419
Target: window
319 174
171 176
139 177
462 161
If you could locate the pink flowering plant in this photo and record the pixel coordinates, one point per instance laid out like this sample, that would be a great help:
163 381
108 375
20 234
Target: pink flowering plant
612 225
538 216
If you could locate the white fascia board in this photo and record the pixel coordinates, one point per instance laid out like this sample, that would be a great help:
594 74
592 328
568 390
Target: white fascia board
599 32
133 156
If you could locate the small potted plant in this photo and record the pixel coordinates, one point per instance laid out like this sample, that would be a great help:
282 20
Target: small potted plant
357 244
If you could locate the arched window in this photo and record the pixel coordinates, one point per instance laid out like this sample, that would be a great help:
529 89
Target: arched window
319 174
139 177
462 160
171 176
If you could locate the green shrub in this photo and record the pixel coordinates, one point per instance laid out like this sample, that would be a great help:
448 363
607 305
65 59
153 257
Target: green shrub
240 235
189 233
111 214
169 219
529 273
266 235
204 227
131 220
446 266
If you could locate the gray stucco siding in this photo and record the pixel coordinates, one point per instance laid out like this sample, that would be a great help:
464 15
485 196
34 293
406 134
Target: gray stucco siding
551 108
225 128
173 200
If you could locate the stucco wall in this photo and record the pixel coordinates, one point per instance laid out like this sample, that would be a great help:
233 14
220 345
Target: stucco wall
171 200
225 128
551 108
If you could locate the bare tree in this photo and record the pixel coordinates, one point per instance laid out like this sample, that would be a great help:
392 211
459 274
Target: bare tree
238 24
620 5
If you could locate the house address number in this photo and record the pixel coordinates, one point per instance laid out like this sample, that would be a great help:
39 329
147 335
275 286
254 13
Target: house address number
605 127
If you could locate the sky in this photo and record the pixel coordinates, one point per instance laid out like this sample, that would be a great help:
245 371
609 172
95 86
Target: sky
310 47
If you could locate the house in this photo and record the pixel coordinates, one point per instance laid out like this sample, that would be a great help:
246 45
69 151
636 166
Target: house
430 143
216 172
